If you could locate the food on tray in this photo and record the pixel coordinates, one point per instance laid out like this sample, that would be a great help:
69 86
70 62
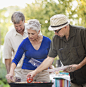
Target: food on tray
29 80
37 82
20 82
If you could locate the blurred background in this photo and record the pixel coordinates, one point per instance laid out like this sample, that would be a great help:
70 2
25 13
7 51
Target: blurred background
42 10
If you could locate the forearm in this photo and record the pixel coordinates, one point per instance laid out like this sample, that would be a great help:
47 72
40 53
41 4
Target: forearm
10 76
13 66
8 64
82 63
74 67
45 64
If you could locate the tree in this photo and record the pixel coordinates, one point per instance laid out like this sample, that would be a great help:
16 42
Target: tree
5 20
81 12
44 9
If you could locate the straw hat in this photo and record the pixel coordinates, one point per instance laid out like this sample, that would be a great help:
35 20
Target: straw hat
58 21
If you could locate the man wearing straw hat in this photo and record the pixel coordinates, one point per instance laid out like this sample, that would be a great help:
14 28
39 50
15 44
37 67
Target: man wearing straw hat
69 43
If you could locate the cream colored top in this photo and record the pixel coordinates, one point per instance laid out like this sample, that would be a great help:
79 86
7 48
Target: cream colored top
11 43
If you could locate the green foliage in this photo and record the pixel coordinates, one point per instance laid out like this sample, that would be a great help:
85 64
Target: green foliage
5 18
43 10
2 70
81 12
54 62
3 81
2 84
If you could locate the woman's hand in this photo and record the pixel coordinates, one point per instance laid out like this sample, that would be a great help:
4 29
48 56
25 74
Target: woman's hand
10 78
31 74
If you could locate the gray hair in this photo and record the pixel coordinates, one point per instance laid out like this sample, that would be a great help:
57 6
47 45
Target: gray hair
17 17
34 25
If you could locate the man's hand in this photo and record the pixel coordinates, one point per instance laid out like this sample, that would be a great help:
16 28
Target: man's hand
72 68
10 78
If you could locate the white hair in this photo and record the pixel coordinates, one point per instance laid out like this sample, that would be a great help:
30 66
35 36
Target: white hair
34 25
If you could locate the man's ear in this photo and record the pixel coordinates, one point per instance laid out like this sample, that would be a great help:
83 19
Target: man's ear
65 27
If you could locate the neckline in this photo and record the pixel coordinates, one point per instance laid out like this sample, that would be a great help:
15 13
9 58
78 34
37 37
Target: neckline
40 45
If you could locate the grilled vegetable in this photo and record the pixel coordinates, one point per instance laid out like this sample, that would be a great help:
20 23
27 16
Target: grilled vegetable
29 80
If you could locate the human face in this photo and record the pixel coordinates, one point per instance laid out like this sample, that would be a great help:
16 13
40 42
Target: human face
20 27
57 30
60 32
32 34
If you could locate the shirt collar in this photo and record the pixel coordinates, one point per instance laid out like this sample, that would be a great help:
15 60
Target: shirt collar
15 32
25 31
72 33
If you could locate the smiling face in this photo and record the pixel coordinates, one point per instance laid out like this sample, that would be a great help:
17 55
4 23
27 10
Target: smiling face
19 27
32 34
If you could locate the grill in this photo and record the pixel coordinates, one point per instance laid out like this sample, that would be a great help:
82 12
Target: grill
31 84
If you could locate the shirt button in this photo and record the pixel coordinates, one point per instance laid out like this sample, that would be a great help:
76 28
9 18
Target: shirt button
71 60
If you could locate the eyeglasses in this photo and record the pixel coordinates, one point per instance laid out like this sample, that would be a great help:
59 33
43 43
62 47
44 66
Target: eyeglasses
57 30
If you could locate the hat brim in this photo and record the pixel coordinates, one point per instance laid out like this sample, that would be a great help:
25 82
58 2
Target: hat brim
57 28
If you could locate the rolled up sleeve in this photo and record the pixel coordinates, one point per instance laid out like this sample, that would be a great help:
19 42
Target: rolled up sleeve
53 50
7 51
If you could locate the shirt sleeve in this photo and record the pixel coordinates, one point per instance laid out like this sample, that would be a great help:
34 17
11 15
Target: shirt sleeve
19 53
49 42
7 51
85 40
53 50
